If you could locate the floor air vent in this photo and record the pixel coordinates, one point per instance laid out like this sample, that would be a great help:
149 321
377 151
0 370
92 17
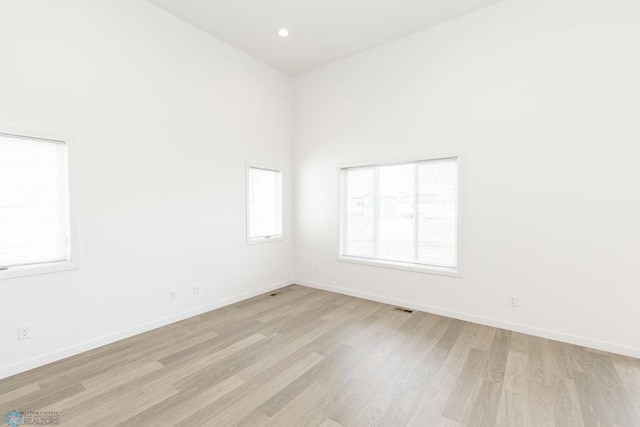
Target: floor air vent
406 310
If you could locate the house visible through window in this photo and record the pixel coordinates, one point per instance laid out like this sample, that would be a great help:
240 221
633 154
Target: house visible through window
401 214
264 204
34 204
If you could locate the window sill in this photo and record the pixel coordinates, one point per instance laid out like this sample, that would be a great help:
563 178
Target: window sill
33 270
442 271
260 240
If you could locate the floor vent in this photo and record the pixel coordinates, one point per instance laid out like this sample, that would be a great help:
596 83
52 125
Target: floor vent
406 310
274 294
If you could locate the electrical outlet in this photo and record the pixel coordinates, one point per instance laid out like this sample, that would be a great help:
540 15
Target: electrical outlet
317 269
173 294
512 301
24 332
196 289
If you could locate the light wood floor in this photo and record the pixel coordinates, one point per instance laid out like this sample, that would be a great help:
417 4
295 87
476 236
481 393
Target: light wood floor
308 357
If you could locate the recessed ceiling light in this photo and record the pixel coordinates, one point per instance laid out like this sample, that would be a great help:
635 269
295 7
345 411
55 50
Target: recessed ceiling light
282 32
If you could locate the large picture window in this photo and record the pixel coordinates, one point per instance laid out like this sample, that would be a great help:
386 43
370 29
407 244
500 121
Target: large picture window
35 220
403 214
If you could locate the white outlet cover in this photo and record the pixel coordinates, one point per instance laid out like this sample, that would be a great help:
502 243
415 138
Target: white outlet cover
24 332
173 294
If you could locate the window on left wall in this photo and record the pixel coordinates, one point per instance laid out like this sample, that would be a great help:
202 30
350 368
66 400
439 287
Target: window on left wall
36 224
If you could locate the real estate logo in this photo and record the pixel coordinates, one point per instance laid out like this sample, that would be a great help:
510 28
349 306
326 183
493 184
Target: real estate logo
14 418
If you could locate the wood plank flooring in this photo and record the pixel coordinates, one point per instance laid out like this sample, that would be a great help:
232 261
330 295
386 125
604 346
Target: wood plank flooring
306 357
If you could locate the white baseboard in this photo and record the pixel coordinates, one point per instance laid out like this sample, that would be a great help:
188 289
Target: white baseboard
16 368
9 370
516 327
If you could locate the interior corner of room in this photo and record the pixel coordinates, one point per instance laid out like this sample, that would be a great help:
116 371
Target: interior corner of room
200 175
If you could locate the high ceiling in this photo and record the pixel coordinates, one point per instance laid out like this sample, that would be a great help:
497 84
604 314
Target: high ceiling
320 32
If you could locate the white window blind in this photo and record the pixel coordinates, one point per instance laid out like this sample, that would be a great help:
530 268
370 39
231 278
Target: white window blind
402 213
34 202
265 203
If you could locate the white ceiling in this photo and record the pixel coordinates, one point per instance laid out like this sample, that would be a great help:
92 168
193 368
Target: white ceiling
320 32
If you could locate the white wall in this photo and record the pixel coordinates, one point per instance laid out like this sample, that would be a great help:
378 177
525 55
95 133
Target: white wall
165 118
542 98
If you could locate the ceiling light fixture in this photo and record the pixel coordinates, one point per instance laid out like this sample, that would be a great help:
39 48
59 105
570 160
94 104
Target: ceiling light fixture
282 32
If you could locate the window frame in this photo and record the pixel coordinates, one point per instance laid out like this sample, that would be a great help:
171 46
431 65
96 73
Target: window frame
263 239
398 265
73 262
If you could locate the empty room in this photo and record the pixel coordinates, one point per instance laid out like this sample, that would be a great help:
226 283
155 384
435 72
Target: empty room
340 213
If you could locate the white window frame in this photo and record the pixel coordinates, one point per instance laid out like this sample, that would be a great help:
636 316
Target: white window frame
428 269
73 262
264 239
